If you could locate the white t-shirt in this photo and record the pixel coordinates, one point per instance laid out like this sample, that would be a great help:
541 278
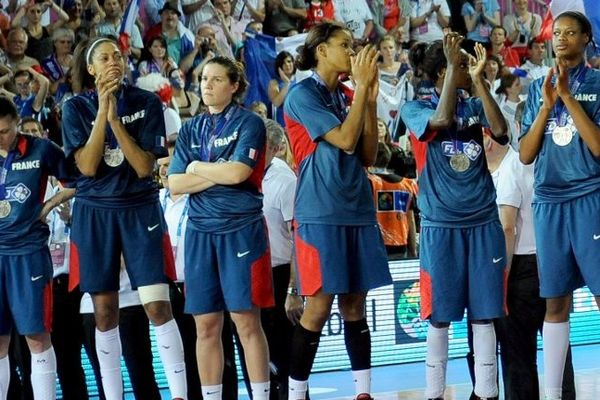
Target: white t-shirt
534 71
514 187
241 12
279 188
198 17
509 111
172 121
58 240
354 14
176 216
431 30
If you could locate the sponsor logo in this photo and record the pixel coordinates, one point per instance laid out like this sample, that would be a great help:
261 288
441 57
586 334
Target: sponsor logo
19 193
596 237
35 278
497 260
240 255
153 227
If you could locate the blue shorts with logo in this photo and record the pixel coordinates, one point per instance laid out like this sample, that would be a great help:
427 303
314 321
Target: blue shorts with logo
463 268
339 259
229 271
99 236
26 293
568 245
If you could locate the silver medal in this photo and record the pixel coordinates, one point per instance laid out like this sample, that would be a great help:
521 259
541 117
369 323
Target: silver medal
460 162
113 157
562 135
5 208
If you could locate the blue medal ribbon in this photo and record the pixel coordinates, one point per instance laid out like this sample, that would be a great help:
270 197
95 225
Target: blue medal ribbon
459 117
208 139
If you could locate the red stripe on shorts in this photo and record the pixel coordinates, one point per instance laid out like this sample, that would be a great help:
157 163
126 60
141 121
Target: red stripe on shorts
73 267
261 276
426 302
48 307
169 260
308 264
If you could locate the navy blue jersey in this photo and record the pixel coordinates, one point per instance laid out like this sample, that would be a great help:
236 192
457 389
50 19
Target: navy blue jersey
24 106
565 172
21 232
142 115
233 135
333 187
448 198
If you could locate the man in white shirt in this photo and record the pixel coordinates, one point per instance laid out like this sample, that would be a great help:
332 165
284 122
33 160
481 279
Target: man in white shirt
517 332
534 64
427 20
357 17
197 12
279 188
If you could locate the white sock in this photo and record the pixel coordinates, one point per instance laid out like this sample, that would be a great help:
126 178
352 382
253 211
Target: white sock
212 392
260 390
556 345
486 361
43 375
436 361
108 349
362 381
170 349
4 377
297 389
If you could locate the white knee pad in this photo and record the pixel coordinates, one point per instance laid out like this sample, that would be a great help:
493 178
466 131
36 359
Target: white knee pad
156 292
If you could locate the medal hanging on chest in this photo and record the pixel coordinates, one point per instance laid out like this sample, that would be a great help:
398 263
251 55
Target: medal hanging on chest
460 162
562 134
113 157
5 208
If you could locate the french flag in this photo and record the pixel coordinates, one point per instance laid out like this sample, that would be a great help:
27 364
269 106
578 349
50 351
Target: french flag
588 7
131 13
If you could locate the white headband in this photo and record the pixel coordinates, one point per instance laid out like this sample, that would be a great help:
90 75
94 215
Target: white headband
91 48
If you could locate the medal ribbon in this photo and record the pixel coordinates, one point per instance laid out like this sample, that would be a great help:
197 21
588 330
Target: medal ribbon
560 112
337 100
208 140
459 117
4 173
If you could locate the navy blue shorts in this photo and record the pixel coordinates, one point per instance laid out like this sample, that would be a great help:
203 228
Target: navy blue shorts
26 293
339 259
463 267
568 245
100 235
230 271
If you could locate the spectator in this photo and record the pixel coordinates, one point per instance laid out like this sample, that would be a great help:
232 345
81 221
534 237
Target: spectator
498 48
394 198
246 11
28 101
389 66
187 103
228 30
179 39
318 11
425 26
57 65
521 27
480 16
356 16
511 104
197 12
80 17
284 17
278 88
390 16
259 108
111 26
492 72
205 48
517 332
534 63
39 41
15 52
155 58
